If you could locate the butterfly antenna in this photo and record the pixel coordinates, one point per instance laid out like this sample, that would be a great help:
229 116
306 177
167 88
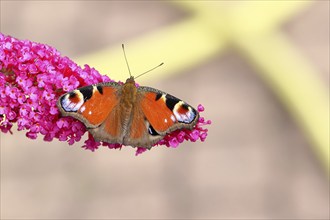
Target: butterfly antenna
148 70
129 70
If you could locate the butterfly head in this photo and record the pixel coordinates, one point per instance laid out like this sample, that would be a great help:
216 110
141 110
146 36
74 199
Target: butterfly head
130 80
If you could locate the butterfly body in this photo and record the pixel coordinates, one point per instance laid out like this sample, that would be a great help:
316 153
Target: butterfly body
126 114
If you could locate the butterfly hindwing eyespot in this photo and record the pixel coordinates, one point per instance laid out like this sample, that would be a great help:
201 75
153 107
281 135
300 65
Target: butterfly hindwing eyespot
152 131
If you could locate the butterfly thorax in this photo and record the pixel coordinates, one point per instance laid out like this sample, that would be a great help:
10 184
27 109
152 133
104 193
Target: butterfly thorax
128 93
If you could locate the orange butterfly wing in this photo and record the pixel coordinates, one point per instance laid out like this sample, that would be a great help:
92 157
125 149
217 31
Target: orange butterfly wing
157 114
90 104
165 112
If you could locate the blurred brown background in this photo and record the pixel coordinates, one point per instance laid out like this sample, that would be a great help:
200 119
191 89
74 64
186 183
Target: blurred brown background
256 162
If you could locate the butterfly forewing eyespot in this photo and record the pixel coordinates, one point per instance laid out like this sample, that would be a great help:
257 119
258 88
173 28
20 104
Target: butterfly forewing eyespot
71 102
184 113
73 94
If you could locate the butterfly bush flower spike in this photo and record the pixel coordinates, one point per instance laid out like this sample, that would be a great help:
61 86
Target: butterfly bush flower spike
33 76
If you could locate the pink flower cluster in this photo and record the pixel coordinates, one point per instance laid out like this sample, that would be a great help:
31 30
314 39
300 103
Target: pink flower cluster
34 75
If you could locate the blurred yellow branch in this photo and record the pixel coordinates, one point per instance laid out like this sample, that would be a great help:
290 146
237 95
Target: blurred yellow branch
294 80
244 17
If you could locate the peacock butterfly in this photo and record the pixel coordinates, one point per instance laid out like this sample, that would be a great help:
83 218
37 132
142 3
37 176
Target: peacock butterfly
127 114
